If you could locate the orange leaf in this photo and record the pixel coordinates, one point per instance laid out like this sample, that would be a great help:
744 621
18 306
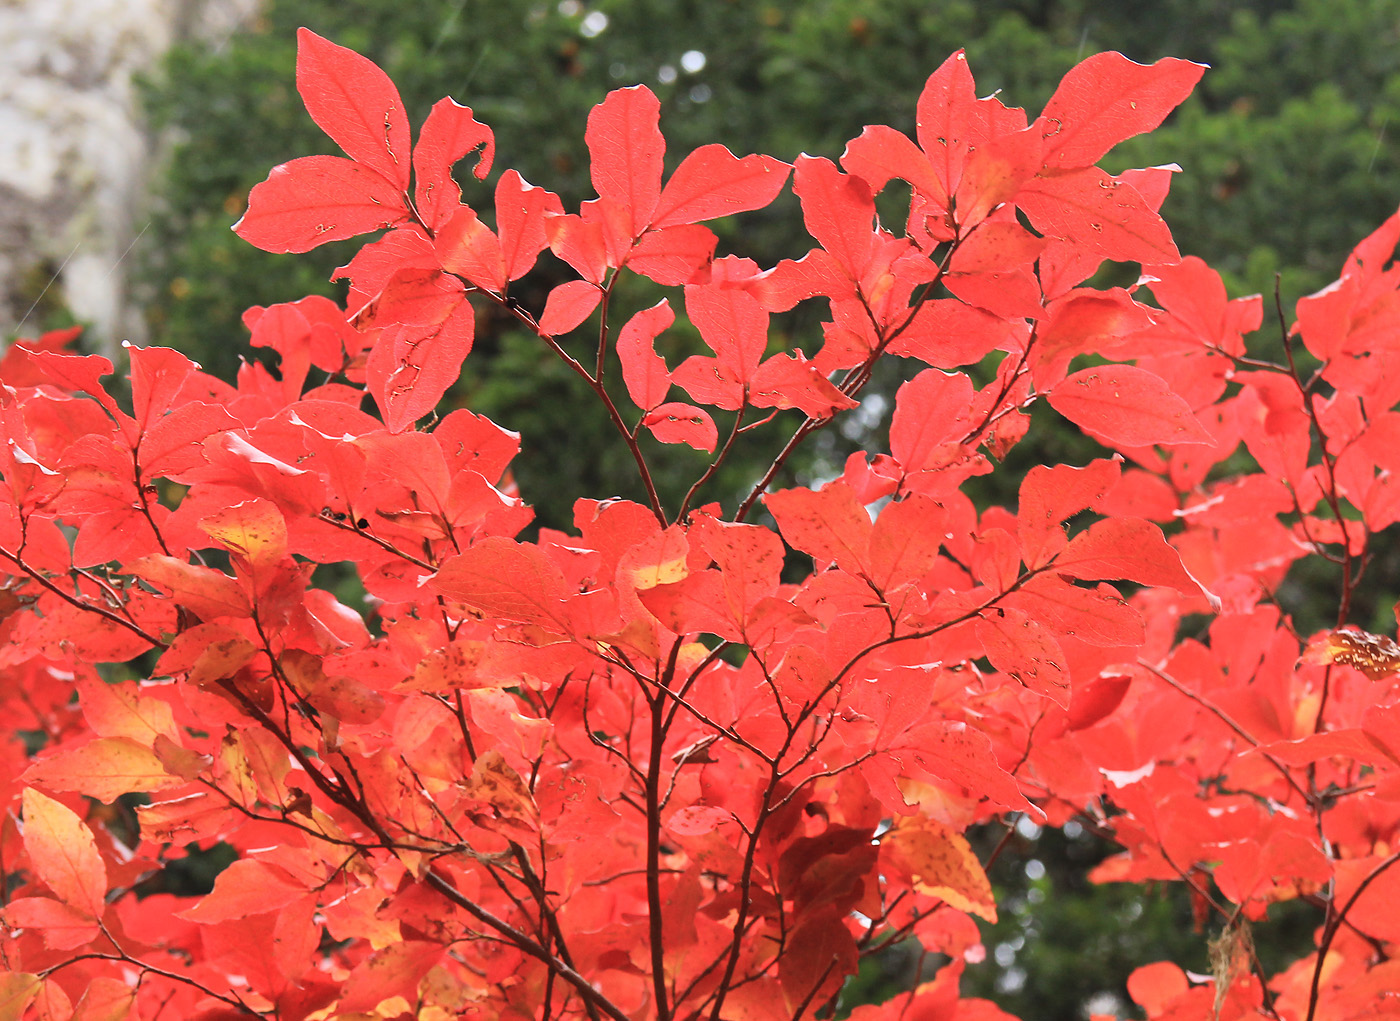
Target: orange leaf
1376 656
940 863
106 999
104 769
63 852
120 710
207 592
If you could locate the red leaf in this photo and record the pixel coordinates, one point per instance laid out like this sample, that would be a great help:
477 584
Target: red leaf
791 381
1096 616
449 133
568 305
1348 745
713 182
997 246
521 213
1102 215
626 151
1129 548
1127 406
158 374
643 370
695 820
881 152
905 541
938 862
411 367
64 926
946 332
732 323
81 373
951 750
674 256
1026 652
1155 986
820 953
254 529
104 769
1082 323
414 296
750 558
829 524
175 444
949 121
580 243
471 249
710 381
994 174
838 210
1107 98
1195 296
1050 496
928 419
682 423
355 103
207 592
394 971
1091 702
247 887
506 579
315 199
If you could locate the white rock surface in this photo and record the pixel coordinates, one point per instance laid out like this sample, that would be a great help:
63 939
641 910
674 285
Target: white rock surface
74 155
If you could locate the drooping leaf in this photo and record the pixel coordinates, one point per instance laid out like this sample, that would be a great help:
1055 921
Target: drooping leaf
568 305
643 370
682 423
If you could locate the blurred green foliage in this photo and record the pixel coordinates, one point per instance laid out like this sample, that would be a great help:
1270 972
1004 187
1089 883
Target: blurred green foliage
1287 154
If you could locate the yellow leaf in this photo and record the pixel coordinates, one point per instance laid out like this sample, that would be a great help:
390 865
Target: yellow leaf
17 989
104 769
255 529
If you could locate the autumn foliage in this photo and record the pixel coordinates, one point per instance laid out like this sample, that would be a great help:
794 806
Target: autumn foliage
675 763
